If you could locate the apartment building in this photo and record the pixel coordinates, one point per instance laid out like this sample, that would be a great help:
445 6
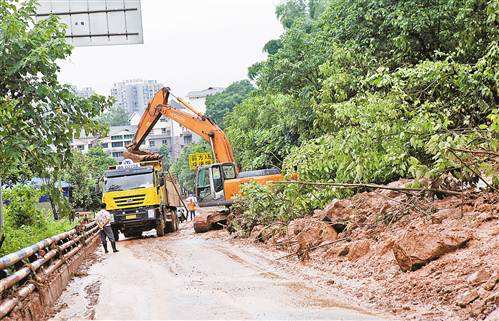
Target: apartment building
198 98
134 95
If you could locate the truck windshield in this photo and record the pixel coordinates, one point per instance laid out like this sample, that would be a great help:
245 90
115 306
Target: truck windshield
123 183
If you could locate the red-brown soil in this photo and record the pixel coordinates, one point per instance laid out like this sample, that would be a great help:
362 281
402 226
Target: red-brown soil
417 256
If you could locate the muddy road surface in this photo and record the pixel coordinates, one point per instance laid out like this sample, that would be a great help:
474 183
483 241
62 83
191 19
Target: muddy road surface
188 276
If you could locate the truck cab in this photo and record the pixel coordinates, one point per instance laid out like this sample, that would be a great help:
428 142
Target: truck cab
137 196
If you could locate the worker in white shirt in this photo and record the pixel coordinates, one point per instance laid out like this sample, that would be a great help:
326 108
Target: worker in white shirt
103 219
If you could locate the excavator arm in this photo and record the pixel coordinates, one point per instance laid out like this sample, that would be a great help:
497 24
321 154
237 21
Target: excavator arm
196 122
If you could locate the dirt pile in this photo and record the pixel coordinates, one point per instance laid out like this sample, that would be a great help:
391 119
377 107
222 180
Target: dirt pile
414 255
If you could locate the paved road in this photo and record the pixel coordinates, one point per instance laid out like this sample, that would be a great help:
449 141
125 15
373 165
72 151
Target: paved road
186 276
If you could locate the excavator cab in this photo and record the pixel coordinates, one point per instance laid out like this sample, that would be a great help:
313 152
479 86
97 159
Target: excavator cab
210 181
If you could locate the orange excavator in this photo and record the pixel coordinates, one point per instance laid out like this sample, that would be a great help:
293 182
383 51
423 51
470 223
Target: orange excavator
216 184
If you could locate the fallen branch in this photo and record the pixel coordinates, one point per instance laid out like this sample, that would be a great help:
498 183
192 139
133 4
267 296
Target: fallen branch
471 169
478 152
375 186
316 247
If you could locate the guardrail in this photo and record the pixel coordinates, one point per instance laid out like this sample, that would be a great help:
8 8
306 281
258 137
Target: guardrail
34 264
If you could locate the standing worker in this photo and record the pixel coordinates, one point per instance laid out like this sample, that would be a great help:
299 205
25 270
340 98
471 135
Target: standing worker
191 206
103 219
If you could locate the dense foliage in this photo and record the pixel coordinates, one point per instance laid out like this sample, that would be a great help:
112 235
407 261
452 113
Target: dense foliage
25 222
164 151
84 174
115 116
39 116
371 91
186 176
219 105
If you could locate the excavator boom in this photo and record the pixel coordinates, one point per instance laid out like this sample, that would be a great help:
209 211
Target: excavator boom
196 122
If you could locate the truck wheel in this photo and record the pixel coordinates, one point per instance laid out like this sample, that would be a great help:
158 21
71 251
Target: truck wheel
160 229
172 226
116 234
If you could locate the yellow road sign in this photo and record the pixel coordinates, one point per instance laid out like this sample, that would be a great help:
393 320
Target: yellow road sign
199 159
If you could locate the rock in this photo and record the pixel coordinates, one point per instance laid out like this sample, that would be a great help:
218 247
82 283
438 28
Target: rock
319 215
314 233
466 298
358 249
269 232
494 316
483 293
491 282
256 231
344 250
486 217
336 250
493 298
478 277
417 248
477 307
296 226
385 247
338 210
443 214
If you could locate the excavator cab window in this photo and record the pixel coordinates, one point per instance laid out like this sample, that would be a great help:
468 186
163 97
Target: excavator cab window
229 171
203 183
218 183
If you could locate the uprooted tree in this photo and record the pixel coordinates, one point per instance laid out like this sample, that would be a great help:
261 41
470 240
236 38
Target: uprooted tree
372 91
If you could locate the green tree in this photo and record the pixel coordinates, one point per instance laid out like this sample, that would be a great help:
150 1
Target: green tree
219 105
84 173
371 91
263 129
99 161
115 116
165 152
39 116
185 175
25 222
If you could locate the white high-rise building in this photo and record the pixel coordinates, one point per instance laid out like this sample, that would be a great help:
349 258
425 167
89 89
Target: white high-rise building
85 92
134 95
198 98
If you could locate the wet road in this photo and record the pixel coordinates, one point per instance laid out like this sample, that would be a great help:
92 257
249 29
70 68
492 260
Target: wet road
186 276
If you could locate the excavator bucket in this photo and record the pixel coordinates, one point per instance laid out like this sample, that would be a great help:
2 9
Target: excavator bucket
206 219
138 156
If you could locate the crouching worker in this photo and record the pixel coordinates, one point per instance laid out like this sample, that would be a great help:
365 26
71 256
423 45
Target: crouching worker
103 219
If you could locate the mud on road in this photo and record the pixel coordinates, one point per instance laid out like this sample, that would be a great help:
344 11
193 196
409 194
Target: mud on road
188 276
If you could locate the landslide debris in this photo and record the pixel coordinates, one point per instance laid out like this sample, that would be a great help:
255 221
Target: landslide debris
415 255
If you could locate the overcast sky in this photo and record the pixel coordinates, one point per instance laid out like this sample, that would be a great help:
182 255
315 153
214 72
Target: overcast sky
188 45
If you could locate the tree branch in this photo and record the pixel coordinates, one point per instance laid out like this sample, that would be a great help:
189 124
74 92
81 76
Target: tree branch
479 152
374 186
471 169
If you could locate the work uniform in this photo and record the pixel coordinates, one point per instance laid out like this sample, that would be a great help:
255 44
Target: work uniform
103 219
191 206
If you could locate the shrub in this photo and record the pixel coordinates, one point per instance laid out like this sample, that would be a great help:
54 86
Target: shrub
25 223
